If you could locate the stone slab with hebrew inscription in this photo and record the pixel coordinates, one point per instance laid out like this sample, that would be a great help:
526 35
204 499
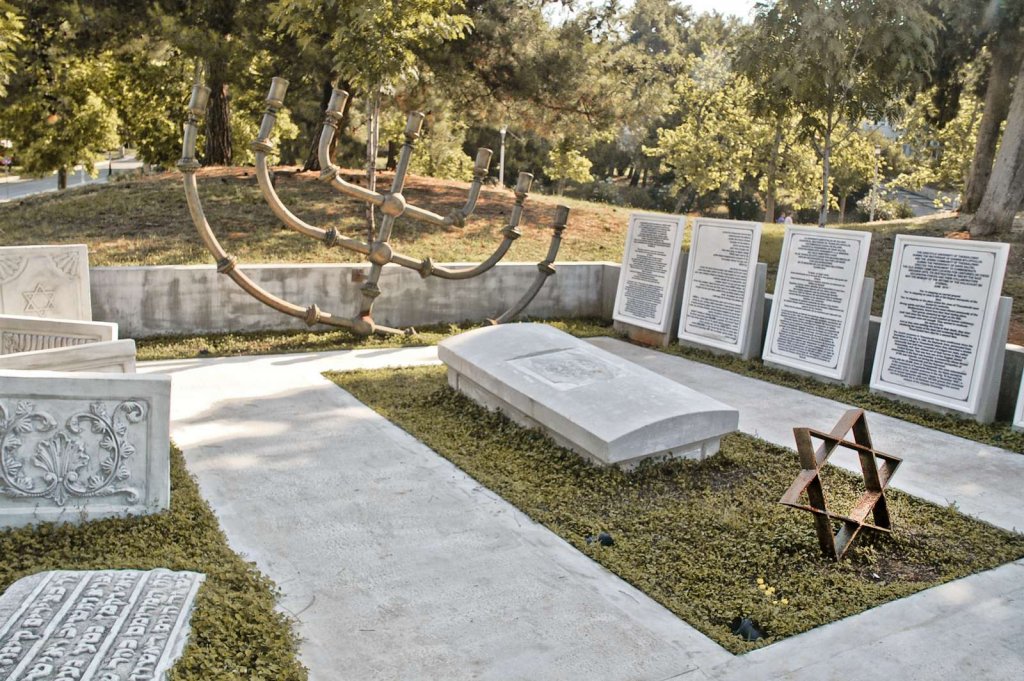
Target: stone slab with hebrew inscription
817 307
45 281
98 625
650 268
608 409
82 446
938 333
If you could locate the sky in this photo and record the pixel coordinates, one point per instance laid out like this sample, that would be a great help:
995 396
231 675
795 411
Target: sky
740 8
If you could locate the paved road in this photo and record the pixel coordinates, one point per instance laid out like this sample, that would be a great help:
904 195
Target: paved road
14 187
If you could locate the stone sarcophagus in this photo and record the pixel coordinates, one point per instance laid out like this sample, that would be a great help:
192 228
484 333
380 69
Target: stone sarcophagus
608 409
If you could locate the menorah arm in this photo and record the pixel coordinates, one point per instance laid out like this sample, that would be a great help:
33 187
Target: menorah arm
227 264
329 171
263 146
511 233
545 269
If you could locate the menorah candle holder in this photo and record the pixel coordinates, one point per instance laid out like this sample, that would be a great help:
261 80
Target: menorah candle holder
392 204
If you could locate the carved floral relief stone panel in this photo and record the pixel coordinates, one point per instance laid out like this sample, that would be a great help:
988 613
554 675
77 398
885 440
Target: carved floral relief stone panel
45 281
104 625
82 446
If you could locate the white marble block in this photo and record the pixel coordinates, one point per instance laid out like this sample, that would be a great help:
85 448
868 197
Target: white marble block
82 446
723 294
116 357
45 281
19 333
822 304
96 625
649 279
943 334
608 409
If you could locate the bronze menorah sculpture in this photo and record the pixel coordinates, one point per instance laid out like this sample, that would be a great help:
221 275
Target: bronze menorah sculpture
392 203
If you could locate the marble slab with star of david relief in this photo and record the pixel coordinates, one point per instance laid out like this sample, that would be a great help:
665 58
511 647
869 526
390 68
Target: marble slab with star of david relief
45 281
605 408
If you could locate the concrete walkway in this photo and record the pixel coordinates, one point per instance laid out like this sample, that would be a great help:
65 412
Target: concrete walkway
399 566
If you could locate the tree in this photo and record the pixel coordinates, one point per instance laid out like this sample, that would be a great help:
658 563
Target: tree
940 155
711 149
843 61
1005 52
10 37
853 167
55 111
1004 194
154 76
69 123
567 164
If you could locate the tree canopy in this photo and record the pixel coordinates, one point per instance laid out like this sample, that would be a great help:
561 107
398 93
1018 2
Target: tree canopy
646 103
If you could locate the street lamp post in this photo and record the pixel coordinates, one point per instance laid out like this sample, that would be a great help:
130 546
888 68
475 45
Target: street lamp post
501 157
874 185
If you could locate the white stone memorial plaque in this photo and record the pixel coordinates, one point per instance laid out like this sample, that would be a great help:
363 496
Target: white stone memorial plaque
817 298
606 408
82 446
937 332
719 292
98 625
45 281
648 275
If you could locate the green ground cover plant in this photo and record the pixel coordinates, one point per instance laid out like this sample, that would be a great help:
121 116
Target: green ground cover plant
236 632
276 342
269 342
706 539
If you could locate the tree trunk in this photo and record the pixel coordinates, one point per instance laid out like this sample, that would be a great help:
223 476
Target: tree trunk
634 176
62 178
997 104
826 154
392 161
326 90
773 170
372 142
842 209
218 119
1005 190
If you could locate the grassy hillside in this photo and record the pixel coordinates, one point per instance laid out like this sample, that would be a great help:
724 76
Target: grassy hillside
144 221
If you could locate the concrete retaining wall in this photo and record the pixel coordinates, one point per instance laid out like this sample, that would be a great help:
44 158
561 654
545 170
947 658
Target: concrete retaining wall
152 301
167 300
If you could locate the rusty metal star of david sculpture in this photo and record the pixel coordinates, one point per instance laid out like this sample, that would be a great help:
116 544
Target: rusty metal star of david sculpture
876 479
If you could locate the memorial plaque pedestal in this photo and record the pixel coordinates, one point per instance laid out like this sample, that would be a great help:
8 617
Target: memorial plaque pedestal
652 337
821 310
854 373
650 279
754 337
942 341
988 386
